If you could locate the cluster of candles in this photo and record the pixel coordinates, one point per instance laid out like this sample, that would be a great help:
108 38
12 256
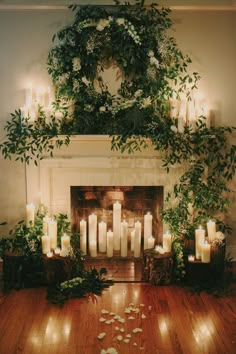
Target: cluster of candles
102 240
202 245
99 238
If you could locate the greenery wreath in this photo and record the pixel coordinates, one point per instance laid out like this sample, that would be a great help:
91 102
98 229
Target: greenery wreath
133 38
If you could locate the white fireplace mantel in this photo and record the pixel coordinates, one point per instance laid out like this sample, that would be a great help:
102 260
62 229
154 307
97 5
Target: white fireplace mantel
89 161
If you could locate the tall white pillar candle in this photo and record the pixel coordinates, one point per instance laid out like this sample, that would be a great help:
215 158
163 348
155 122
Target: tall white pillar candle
65 242
147 229
151 242
92 232
52 233
116 225
211 230
167 241
199 240
124 239
30 210
46 220
83 236
110 245
102 236
205 252
45 244
132 240
137 239
93 248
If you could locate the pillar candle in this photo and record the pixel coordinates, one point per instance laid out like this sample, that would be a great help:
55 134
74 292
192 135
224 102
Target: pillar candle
137 239
167 241
46 220
65 242
30 209
102 236
147 229
151 242
45 244
132 240
124 239
52 233
110 245
205 252
93 248
116 225
211 230
83 236
92 232
199 240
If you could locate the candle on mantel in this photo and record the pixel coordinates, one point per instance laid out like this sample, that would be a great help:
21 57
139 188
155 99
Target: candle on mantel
167 241
110 245
92 220
116 225
46 220
52 233
93 248
199 240
137 238
50 254
30 210
124 239
45 244
132 240
211 230
205 252
191 258
147 229
57 251
65 242
151 242
102 236
83 236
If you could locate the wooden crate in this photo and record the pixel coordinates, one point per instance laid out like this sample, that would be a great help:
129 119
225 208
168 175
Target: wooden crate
157 268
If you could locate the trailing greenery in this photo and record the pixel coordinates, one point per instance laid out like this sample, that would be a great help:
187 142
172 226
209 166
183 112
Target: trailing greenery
153 71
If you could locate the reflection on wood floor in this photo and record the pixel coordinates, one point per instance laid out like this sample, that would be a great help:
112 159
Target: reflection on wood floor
171 319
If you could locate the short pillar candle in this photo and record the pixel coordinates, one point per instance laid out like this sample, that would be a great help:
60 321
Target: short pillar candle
199 240
167 241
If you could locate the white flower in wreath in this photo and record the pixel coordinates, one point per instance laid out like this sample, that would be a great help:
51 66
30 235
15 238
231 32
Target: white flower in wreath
102 109
138 93
150 53
174 129
63 78
146 102
102 24
220 235
76 64
155 62
76 86
120 21
85 80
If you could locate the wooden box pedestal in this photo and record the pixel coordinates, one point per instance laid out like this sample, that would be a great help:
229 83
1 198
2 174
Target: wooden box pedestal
157 268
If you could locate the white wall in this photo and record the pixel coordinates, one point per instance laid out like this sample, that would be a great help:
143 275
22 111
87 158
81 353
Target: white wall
25 38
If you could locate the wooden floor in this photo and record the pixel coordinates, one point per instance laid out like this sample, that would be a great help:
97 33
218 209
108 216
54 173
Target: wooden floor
175 322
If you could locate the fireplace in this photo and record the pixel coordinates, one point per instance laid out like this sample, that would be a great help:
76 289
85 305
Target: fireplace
88 170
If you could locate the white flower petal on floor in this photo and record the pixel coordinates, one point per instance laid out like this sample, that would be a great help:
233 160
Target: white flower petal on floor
101 335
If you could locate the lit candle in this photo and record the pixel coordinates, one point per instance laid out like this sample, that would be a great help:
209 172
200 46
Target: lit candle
83 236
50 254
110 245
52 233
102 236
124 239
205 252
57 250
65 242
92 233
132 240
147 229
199 240
116 225
137 239
151 242
191 258
30 209
45 244
46 220
211 230
167 241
